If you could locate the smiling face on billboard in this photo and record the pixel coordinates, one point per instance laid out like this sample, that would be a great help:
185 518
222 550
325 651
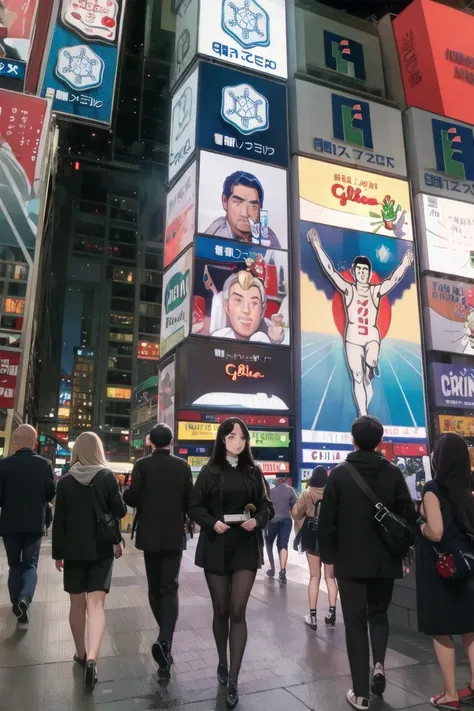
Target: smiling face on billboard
242 205
244 300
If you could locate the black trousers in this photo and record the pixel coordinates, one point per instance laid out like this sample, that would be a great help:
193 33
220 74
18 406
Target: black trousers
365 605
162 572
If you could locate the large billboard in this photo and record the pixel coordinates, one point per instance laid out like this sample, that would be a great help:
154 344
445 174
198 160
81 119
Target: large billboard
176 304
185 43
241 292
345 129
345 197
202 431
246 33
17 20
453 384
242 200
449 320
180 216
81 67
440 155
447 227
24 124
233 376
183 125
463 426
360 349
9 363
166 394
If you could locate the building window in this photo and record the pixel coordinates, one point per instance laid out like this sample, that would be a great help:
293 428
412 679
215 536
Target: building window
119 393
121 319
124 337
118 376
14 306
88 246
124 275
153 310
126 305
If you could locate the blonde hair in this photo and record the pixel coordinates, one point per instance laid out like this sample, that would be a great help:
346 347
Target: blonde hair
89 451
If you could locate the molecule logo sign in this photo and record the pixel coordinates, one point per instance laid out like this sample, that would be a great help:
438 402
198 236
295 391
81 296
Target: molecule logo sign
248 33
80 70
242 115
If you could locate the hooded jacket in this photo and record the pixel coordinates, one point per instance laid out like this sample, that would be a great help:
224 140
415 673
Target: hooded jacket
347 531
75 522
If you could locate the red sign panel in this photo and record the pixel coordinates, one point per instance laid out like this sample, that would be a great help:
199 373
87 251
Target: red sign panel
148 351
250 420
9 362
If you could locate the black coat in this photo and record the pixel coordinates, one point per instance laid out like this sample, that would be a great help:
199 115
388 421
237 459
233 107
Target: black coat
206 507
160 490
26 486
75 521
347 531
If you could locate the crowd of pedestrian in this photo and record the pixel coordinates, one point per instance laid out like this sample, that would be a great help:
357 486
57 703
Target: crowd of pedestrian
358 521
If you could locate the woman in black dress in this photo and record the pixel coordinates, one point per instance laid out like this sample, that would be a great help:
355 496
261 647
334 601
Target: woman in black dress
230 553
446 607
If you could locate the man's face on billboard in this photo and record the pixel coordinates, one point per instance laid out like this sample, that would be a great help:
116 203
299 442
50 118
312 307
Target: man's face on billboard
362 273
243 203
245 310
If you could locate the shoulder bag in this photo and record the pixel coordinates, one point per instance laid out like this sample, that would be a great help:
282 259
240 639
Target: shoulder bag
308 533
395 533
108 527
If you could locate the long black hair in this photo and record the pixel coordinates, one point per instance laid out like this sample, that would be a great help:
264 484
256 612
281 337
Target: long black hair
319 477
452 469
219 453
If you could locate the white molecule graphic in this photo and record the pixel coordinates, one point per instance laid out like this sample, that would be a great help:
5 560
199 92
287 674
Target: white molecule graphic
247 22
80 67
182 113
244 108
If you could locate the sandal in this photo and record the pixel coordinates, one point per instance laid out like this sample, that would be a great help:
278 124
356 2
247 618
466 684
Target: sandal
466 694
357 702
448 705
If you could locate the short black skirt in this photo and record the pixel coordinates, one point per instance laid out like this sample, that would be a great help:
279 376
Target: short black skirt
223 554
86 576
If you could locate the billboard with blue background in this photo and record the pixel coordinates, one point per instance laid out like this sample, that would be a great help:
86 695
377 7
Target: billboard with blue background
81 67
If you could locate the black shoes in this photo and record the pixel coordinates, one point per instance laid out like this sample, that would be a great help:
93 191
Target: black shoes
330 618
223 674
22 614
378 681
161 652
271 572
80 660
282 577
232 695
90 674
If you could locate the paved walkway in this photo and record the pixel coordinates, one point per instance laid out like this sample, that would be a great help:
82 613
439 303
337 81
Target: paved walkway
286 666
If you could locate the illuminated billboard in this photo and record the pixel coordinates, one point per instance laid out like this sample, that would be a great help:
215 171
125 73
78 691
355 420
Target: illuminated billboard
453 384
176 302
233 376
346 197
202 431
185 43
81 66
240 292
183 125
449 315
463 426
447 227
166 394
242 200
180 216
17 21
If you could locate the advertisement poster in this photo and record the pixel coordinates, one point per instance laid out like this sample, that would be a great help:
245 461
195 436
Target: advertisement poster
246 33
463 426
9 362
180 216
440 155
17 18
24 123
345 197
453 384
340 127
360 351
183 125
201 431
242 115
166 394
449 320
185 44
240 292
81 67
242 200
448 229
144 402
176 302
146 350
236 376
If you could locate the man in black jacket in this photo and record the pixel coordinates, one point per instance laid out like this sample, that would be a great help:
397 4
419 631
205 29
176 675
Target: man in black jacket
160 490
26 487
364 567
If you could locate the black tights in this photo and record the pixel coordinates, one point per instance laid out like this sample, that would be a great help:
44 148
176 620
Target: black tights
230 594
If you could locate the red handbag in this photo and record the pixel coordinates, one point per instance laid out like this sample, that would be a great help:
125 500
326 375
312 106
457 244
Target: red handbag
445 565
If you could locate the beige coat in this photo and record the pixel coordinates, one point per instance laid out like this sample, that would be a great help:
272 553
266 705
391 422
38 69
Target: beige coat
305 505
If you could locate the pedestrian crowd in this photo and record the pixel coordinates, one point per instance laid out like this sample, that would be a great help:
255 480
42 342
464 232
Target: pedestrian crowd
358 521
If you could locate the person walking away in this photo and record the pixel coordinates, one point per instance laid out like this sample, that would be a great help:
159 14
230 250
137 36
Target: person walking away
283 499
160 491
230 504
364 567
26 488
446 607
307 508
87 494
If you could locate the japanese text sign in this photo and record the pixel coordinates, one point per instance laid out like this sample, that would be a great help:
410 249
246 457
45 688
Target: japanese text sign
202 431
9 362
183 125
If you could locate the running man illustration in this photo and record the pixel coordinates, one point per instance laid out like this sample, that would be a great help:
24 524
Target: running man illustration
362 303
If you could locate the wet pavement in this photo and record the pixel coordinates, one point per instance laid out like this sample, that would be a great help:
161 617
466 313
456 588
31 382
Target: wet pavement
286 666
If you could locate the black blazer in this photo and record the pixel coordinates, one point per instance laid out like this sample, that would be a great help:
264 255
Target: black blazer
205 507
75 521
160 490
347 532
26 486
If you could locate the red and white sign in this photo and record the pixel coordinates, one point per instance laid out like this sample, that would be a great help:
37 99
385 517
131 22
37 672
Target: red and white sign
148 351
9 362
274 467
330 456
274 421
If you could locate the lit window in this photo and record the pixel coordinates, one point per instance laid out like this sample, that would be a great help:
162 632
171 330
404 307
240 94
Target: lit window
14 306
119 393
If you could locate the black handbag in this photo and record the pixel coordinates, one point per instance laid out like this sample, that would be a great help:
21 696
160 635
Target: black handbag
308 533
395 533
108 527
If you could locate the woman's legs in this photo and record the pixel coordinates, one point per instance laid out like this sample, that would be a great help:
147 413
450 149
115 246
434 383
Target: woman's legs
314 562
77 621
240 588
331 584
468 642
95 623
219 588
446 656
